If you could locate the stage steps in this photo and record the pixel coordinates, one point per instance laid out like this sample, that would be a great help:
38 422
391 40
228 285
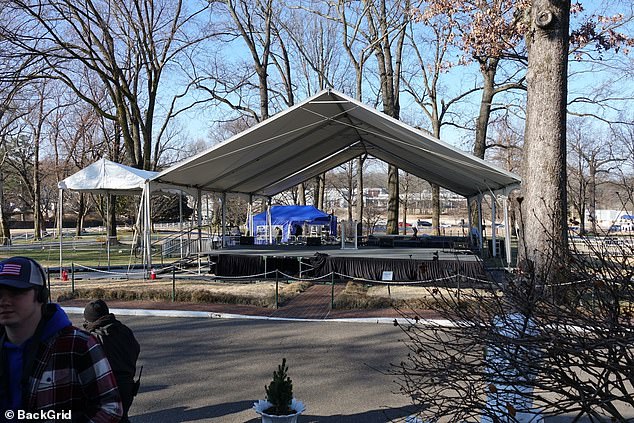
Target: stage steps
184 263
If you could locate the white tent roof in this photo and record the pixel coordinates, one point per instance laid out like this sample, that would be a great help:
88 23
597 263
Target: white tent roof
320 133
107 177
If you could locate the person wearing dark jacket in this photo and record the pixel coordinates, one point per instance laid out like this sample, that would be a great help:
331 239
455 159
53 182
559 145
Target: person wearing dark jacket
122 348
46 364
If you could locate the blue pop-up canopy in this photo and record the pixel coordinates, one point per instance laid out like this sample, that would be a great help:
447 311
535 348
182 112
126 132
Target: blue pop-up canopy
287 217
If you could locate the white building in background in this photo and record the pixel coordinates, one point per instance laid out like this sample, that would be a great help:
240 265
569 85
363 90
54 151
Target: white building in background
607 218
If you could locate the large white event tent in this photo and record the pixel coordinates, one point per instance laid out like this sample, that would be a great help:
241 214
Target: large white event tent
109 178
322 132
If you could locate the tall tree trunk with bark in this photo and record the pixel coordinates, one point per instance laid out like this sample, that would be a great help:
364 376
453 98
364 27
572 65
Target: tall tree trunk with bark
5 232
488 70
81 213
38 220
543 240
388 53
318 193
112 219
301 194
592 193
435 209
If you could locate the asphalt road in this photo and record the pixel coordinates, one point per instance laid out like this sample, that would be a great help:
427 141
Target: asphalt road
212 370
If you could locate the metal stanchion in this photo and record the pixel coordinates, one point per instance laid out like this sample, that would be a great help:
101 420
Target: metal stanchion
332 290
72 277
276 290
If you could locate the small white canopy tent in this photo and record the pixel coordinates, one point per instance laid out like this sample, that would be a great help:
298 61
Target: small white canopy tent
321 133
107 177
110 178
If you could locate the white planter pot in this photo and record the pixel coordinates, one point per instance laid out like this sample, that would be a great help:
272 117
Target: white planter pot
262 405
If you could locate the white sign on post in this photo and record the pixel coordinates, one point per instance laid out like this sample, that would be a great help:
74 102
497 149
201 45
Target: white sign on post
388 275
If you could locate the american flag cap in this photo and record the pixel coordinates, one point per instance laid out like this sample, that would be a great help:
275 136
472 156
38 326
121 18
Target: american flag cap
21 273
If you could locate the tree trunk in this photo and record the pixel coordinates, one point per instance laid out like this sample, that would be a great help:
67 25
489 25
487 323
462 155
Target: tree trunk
318 196
38 224
405 215
592 193
582 220
302 194
393 199
81 212
488 71
435 211
112 219
5 232
543 240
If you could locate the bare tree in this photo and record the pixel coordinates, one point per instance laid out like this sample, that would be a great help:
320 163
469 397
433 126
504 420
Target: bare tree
424 83
126 46
591 156
386 34
10 114
512 351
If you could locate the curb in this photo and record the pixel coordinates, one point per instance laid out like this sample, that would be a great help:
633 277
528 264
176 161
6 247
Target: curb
213 315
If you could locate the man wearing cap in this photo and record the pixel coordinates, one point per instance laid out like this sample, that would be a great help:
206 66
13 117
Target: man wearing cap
122 348
45 362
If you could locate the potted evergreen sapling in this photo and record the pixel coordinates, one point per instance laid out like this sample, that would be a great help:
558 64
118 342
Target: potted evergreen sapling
279 406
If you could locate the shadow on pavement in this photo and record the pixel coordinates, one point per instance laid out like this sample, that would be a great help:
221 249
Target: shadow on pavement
185 414
373 416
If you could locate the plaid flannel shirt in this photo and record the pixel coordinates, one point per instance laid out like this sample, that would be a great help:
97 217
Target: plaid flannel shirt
71 372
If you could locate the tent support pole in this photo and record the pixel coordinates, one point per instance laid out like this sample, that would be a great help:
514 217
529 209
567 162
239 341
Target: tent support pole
250 228
356 235
60 226
480 237
199 217
493 227
148 229
136 233
343 234
269 221
224 219
180 220
470 221
507 233
108 224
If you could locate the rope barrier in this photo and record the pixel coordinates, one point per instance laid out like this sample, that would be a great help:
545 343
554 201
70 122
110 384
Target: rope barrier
305 279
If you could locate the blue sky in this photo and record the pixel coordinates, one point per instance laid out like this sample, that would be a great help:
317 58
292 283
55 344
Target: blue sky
606 79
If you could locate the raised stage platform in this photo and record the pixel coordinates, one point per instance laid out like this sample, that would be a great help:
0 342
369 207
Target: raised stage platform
366 262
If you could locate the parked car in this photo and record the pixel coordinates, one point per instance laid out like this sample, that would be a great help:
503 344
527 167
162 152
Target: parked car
615 228
423 223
